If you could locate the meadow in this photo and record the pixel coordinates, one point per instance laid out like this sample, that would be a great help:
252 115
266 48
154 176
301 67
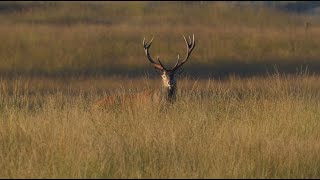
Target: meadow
247 104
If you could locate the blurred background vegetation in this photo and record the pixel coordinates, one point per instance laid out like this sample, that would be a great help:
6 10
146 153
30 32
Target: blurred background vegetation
105 38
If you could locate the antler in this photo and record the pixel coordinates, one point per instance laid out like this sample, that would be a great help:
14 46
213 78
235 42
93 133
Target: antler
190 45
146 46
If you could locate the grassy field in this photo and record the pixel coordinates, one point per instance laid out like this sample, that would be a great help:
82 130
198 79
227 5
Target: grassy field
57 59
237 128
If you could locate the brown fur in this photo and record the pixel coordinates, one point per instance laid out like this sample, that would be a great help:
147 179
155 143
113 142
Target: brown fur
144 97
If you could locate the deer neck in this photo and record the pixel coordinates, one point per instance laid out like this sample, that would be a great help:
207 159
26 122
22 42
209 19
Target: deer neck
169 93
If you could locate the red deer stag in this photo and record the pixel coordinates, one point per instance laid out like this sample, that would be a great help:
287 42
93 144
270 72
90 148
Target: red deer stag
169 83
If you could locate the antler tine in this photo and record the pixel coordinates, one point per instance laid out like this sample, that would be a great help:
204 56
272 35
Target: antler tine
190 46
146 46
186 40
177 62
158 58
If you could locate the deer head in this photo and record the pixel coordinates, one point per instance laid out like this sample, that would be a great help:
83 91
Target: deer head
169 75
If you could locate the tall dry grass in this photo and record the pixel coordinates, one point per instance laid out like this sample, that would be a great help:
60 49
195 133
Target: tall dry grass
238 128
